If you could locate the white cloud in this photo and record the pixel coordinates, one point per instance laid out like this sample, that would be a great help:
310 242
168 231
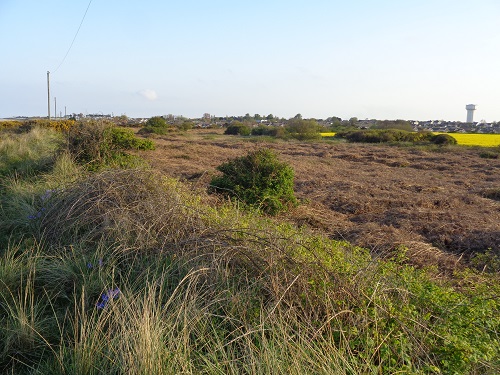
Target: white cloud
149 94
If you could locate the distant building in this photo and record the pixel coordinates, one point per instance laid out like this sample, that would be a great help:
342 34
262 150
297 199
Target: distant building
470 112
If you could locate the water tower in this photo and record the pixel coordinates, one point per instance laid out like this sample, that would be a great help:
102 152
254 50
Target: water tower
470 112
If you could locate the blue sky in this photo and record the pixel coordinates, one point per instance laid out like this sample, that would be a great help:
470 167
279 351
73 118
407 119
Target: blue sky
369 59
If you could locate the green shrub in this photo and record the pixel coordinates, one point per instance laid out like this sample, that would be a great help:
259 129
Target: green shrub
443 139
156 125
258 179
490 154
100 143
384 136
237 128
303 129
126 140
271 131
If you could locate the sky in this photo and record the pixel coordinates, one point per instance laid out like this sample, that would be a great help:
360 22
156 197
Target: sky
413 60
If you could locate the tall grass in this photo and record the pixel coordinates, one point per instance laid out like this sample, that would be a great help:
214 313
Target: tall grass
193 288
29 152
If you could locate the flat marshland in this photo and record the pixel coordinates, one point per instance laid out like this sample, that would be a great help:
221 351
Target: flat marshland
114 258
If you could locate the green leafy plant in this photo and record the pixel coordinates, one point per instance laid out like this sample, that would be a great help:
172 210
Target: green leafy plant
237 128
272 131
258 179
100 143
125 139
156 125
303 129
384 136
443 139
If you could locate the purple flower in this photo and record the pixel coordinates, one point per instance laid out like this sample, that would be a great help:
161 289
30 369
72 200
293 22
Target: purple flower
100 263
37 215
108 296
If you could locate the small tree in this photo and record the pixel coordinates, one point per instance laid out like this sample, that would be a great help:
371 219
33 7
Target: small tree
237 128
157 125
444 139
259 180
303 129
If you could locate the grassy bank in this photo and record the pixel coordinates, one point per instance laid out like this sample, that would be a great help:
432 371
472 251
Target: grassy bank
127 271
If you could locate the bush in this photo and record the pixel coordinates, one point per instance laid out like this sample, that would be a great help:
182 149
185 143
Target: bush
126 140
490 154
271 131
259 180
384 136
100 143
303 129
156 125
443 139
237 128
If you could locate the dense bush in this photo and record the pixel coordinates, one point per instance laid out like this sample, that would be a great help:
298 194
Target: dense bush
59 125
271 131
100 143
443 139
258 179
384 136
487 154
303 129
237 128
9 124
156 125
125 139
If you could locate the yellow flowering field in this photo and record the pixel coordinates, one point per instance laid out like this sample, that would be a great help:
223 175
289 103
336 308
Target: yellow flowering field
485 140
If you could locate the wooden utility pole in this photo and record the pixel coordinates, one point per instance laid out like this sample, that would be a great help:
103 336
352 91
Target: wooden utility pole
55 107
48 93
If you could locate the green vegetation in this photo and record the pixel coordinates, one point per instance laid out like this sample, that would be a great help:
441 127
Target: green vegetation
126 271
271 131
259 180
303 129
394 136
237 128
443 139
98 144
156 125
394 124
25 153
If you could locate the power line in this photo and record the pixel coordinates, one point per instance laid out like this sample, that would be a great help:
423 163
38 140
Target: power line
77 31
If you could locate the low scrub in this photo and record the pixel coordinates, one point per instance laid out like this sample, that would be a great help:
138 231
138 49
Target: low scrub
271 131
99 143
385 136
443 139
156 125
259 180
237 128
303 129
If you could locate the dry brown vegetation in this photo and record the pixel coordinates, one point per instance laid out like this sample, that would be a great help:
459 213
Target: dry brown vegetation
437 202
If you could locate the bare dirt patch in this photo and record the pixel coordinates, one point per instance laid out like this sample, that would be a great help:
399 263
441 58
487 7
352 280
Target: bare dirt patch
377 196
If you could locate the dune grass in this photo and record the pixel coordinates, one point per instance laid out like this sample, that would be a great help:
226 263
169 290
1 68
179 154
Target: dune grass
126 271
